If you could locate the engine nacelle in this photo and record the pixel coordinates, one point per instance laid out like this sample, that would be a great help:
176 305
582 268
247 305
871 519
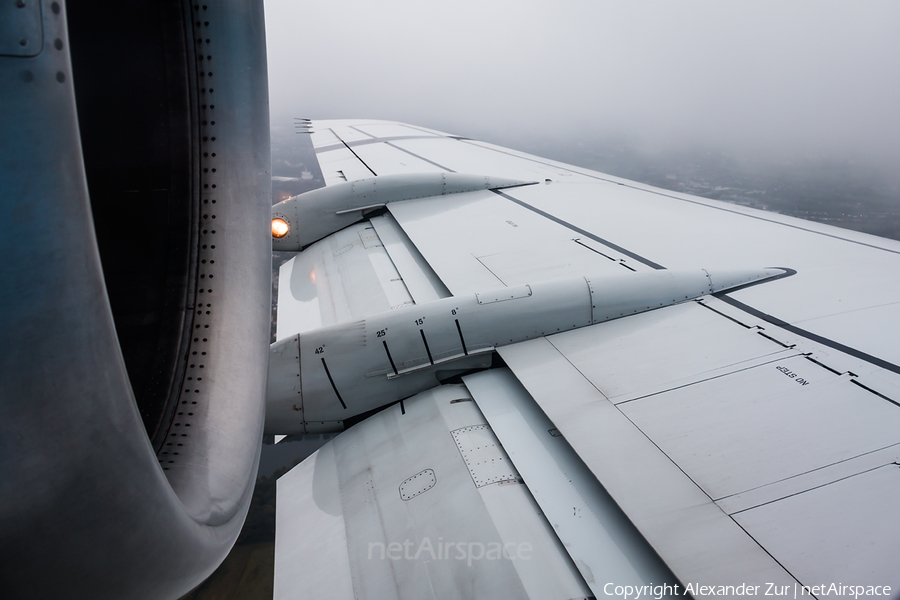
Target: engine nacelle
135 198
320 378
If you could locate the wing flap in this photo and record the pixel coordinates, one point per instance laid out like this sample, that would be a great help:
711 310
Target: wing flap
343 277
422 282
665 349
765 424
595 532
410 503
733 434
503 243
694 537
844 532
816 478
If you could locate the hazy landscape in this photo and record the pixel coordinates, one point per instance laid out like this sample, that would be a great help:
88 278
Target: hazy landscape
845 193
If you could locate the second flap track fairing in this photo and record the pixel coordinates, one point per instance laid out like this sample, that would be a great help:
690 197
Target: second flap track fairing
320 378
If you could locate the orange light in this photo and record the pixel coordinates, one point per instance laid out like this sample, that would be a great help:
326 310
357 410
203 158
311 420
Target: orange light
280 228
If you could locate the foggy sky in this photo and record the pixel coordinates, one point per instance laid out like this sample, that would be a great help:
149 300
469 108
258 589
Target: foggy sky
756 78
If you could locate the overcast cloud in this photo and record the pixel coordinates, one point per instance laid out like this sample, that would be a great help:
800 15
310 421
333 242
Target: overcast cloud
763 78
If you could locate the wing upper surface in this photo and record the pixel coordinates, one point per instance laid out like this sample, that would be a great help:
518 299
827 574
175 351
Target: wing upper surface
750 437
674 413
843 289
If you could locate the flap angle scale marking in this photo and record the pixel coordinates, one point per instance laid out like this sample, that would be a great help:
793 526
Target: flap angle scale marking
408 349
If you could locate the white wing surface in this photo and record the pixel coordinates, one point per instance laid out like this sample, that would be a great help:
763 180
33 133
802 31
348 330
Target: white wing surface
747 434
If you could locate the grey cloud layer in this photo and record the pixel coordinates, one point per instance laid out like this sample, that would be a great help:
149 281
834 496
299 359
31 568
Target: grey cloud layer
754 77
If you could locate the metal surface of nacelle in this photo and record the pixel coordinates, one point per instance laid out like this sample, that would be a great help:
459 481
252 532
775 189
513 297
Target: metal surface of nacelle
313 215
320 378
135 304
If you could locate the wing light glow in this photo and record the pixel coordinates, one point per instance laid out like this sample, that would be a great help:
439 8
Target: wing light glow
280 228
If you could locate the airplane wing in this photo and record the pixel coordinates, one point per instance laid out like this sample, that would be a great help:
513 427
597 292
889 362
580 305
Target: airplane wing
638 387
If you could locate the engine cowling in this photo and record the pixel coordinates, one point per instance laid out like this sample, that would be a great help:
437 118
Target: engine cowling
134 310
